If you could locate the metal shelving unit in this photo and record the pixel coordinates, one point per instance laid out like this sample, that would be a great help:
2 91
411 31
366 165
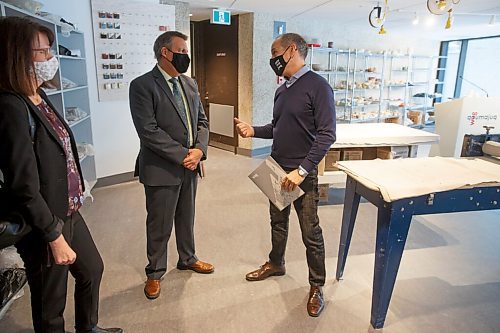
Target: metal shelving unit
421 93
395 80
74 69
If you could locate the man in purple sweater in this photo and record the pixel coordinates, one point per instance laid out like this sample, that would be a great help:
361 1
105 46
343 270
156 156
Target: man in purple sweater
302 129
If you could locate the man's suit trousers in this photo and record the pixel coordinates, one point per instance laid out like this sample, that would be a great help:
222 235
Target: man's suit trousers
166 206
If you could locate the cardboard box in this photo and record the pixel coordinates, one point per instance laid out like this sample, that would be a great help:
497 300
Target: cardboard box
352 154
321 167
393 120
389 153
323 192
331 159
369 153
415 117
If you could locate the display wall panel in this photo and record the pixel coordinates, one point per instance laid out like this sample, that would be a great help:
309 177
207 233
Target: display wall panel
124 34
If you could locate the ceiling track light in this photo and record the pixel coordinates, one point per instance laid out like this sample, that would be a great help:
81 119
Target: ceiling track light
377 17
441 7
492 20
416 19
441 4
449 21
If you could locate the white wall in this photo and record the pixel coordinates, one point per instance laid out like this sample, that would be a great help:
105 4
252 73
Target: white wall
115 139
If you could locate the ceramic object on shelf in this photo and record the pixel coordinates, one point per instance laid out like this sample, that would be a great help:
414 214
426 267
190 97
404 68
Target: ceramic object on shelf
318 67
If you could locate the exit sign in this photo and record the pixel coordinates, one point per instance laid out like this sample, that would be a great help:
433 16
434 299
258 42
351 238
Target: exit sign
220 16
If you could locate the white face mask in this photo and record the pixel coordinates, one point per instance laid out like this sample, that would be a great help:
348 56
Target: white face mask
46 70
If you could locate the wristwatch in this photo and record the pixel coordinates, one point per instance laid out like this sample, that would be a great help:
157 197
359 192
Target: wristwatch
302 172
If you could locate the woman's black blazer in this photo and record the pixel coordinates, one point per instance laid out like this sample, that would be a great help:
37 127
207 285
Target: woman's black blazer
35 171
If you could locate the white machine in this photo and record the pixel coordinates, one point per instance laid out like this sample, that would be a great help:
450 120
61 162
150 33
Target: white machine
467 115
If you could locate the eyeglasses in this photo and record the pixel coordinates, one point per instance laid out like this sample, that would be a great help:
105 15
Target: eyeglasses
42 52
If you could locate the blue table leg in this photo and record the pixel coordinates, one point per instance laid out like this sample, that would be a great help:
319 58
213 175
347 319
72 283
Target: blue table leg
351 204
393 223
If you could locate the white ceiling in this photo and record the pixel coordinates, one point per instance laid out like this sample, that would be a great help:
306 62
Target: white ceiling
353 14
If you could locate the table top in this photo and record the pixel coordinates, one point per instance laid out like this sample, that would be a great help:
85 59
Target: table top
381 134
411 177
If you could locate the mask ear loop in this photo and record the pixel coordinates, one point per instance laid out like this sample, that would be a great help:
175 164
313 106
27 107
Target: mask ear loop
291 54
164 56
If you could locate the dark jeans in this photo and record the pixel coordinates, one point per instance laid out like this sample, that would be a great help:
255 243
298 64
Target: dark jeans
307 211
48 281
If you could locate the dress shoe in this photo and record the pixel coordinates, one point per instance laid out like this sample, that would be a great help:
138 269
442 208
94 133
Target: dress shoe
199 267
315 304
152 288
107 330
265 271
97 329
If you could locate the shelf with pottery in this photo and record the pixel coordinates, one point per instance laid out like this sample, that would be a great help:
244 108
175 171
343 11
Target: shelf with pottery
361 73
77 122
69 88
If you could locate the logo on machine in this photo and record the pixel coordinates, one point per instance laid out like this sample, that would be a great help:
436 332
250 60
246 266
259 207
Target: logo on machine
476 117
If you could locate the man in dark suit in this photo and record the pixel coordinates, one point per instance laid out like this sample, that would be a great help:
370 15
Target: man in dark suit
173 130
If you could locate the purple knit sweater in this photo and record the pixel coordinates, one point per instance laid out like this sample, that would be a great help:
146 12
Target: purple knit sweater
303 125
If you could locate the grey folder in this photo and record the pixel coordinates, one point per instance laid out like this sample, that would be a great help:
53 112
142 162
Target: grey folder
268 178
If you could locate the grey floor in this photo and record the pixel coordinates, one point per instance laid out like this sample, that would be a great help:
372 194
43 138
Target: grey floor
449 279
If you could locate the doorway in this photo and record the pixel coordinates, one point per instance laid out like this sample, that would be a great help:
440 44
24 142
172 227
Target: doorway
216 72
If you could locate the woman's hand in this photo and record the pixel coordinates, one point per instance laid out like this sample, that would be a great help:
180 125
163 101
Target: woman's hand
62 252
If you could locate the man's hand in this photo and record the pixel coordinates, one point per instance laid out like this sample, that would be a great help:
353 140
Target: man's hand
244 129
292 180
62 252
192 159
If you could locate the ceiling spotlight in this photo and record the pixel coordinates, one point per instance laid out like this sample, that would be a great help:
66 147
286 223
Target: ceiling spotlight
415 19
442 4
492 20
449 21
190 14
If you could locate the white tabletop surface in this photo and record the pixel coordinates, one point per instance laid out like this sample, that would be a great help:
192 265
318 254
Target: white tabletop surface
380 134
411 177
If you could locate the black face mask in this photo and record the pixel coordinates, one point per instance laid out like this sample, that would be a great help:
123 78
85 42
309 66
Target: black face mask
180 61
278 63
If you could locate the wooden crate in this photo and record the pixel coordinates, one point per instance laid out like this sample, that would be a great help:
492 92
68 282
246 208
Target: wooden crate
389 153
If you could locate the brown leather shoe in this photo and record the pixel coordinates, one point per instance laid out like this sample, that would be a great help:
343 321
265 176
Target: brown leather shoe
199 267
315 304
265 271
152 288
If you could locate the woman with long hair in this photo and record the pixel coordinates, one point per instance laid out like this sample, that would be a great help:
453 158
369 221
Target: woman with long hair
41 171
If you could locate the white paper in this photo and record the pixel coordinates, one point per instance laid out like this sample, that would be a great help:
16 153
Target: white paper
268 178
411 177
380 134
